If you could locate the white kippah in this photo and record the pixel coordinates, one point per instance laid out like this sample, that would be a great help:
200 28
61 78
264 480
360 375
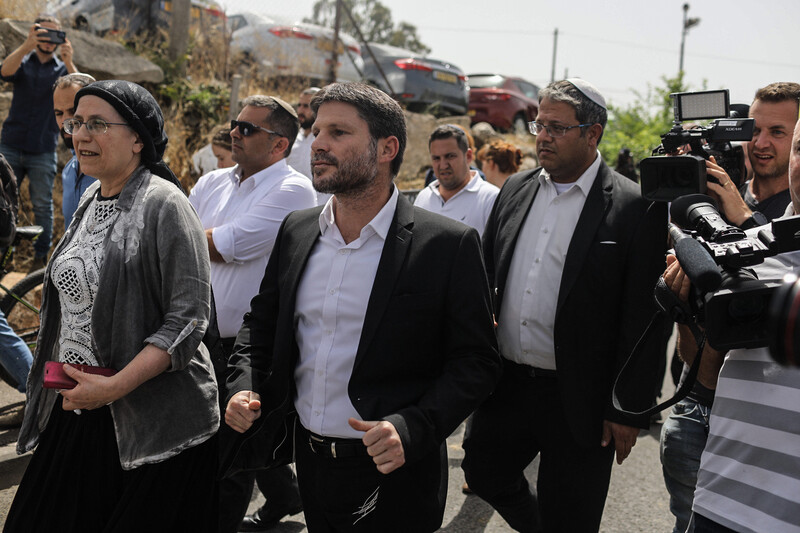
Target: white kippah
589 91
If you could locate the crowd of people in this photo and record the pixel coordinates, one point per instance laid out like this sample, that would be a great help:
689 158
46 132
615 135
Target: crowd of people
295 308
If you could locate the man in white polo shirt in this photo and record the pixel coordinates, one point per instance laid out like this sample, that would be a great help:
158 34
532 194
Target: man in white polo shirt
241 209
457 192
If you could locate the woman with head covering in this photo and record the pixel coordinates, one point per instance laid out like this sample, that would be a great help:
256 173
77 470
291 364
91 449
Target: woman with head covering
499 160
127 288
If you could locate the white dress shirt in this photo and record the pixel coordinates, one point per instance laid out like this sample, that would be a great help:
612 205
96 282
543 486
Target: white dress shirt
528 312
471 205
300 157
246 216
331 304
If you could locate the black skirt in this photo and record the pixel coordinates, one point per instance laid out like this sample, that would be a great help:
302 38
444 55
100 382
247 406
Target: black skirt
74 482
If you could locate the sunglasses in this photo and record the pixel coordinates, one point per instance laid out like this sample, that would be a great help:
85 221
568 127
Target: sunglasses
95 126
248 128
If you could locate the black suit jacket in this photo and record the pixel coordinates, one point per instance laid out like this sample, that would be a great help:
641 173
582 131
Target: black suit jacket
606 295
427 356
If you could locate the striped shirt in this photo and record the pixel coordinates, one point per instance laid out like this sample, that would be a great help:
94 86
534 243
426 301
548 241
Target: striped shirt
749 478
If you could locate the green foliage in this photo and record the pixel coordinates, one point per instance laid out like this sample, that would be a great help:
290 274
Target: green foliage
639 125
374 20
200 105
405 36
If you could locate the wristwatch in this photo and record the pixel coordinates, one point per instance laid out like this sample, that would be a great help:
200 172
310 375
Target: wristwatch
755 220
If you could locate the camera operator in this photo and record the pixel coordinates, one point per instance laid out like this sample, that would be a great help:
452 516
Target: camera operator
750 466
30 133
765 196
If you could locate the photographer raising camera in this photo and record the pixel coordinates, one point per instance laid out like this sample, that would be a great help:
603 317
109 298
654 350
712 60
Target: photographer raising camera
765 196
750 466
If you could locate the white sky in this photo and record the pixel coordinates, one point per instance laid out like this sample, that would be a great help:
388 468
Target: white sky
620 46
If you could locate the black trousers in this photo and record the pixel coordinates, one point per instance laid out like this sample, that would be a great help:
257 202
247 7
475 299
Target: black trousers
278 485
523 419
350 495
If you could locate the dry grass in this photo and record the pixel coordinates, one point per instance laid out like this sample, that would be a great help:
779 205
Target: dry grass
21 9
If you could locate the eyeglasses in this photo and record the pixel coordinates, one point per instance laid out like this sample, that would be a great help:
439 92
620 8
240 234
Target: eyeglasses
536 128
95 126
248 128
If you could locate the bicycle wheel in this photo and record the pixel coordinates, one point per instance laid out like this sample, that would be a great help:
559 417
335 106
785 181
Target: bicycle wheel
21 306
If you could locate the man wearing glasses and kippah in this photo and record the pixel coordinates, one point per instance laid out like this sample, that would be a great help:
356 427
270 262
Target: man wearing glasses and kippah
241 209
573 252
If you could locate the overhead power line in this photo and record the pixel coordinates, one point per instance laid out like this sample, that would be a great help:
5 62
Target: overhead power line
627 44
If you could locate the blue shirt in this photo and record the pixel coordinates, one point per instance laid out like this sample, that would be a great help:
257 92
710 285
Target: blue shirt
31 125
75 184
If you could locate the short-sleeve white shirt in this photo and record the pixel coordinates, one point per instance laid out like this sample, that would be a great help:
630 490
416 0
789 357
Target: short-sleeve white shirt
246 216
471 205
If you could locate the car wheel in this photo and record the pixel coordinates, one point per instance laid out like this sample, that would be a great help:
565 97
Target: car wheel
520 126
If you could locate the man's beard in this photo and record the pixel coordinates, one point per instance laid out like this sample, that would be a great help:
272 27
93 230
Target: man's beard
307 123
67 140
772 172
351 176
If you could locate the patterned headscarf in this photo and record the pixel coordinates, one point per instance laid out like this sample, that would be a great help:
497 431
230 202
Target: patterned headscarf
141 112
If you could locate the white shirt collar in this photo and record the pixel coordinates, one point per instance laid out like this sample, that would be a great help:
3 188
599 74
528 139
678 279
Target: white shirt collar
471 186
584 182
275 169
380 224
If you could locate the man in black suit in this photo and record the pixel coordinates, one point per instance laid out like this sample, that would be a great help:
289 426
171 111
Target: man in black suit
352 351
573 253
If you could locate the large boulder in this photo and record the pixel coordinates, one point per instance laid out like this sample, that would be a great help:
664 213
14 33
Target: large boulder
99 57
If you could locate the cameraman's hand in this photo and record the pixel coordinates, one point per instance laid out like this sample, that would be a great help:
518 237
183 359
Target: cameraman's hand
35 32
676 279
726 193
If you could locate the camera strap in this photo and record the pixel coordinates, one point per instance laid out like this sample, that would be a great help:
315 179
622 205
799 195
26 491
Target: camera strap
685 387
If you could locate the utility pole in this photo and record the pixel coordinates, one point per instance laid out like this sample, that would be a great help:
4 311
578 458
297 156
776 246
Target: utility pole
687 24
335 48
555 47
179 28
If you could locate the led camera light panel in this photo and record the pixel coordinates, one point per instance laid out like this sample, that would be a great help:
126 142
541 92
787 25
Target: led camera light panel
703 104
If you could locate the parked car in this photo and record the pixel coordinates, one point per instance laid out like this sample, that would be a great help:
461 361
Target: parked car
418 82
101 17
505 102
96 16
281 47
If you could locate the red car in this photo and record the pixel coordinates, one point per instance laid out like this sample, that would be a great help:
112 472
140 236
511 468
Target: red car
505 102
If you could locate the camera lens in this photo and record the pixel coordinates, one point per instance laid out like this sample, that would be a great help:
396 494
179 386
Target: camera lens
784 322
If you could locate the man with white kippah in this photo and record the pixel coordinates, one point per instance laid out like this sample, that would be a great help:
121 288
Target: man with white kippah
573 252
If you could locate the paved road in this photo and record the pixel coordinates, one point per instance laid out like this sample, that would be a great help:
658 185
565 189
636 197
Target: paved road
637 500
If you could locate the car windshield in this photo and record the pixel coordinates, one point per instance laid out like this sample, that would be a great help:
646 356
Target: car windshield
484 82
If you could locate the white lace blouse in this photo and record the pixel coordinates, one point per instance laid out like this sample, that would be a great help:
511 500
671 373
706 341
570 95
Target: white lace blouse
76 275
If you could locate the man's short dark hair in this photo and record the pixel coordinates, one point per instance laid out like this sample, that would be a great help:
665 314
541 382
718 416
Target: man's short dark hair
383 115
586 111
778 92
450 131
279 118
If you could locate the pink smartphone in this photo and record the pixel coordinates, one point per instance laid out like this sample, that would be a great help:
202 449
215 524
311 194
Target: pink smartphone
56 378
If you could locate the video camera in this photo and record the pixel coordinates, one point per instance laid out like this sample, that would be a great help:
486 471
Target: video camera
727 298
664 179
